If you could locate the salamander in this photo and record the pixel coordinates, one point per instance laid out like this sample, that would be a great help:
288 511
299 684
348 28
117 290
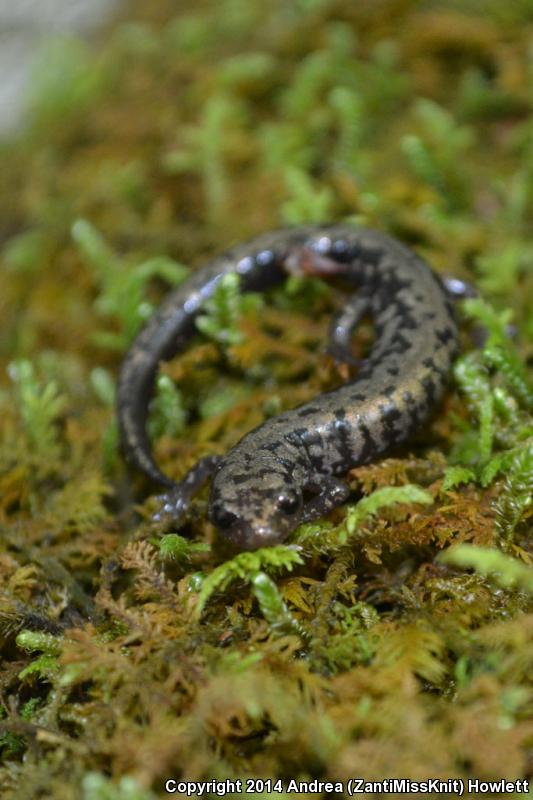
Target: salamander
290 469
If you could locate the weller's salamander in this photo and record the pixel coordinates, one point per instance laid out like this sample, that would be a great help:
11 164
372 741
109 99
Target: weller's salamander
289 469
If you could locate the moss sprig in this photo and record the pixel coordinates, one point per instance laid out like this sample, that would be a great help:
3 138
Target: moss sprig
205 149
96 786
273 607
435 153
167 412
505 571
49 646
497 387
122 289
172 546
221 312
245 566
40 406
371 657
324 537
517 493
498 353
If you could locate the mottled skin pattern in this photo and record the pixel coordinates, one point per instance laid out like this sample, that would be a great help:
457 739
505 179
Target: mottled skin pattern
289 469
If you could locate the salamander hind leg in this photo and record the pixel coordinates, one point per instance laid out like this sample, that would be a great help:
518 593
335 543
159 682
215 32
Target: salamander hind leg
330 493
462 290
175 503
342 328
459 289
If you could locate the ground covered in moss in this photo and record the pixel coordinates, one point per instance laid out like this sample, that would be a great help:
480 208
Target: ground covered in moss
394 639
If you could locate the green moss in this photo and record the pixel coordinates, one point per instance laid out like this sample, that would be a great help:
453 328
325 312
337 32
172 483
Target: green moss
221 312
130 654
246 567
505 571
122 289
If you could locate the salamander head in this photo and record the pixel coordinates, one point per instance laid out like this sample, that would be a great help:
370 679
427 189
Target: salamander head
256 508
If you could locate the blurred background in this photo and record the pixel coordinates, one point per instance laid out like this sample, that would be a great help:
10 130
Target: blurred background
25 28
158 133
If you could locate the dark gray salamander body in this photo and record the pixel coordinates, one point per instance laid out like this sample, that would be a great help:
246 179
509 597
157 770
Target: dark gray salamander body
288 469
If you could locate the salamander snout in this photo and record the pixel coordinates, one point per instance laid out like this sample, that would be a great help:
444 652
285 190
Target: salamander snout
245 537
255 514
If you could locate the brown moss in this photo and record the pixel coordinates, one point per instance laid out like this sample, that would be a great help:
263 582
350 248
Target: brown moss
396 665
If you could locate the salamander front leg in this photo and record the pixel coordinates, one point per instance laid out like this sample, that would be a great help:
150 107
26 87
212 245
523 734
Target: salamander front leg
330 493
176 502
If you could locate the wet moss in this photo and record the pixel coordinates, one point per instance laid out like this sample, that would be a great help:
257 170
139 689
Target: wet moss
133 654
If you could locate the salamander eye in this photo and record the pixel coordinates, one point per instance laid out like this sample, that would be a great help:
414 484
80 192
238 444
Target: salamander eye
223 518
288 503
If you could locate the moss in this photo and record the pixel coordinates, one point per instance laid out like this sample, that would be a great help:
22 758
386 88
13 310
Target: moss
392 639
